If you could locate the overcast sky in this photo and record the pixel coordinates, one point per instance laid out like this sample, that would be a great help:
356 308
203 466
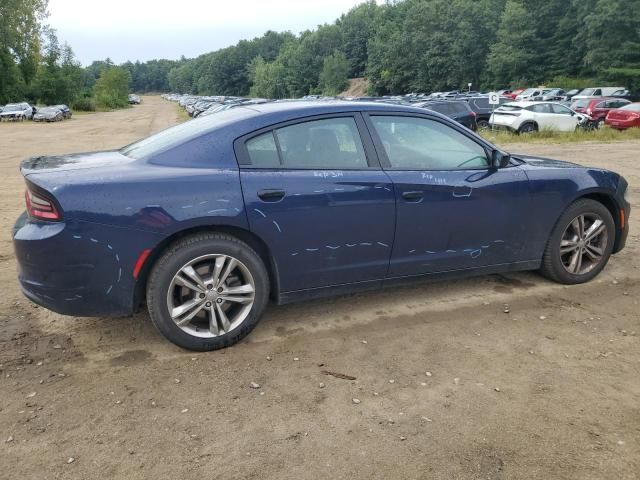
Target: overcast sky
146 29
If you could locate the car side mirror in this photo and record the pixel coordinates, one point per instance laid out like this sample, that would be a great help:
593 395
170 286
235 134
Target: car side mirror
500 159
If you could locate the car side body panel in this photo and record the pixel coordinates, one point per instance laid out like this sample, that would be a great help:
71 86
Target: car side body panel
115 208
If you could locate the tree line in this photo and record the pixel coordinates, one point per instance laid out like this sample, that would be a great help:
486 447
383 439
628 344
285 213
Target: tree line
400 46
433 45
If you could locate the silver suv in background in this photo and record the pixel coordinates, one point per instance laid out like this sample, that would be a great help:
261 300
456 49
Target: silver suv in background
17 112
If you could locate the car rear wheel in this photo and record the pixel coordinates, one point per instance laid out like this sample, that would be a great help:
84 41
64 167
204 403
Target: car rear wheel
580 244
483 124
207 292
528 127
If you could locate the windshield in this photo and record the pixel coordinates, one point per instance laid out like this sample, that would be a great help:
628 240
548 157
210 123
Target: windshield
581 103
587 91
180 133
528 91
634 107
12 108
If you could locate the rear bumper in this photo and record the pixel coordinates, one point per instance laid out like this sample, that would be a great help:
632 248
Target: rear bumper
78 269
505 122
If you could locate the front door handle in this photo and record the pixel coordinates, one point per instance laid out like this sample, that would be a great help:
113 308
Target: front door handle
271 195
413 196
462 192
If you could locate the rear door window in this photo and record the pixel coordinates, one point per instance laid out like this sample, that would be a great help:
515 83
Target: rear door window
442 108
541 108
459 108
561 109
320 144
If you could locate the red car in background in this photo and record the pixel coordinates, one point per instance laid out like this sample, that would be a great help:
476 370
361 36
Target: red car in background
598 108
625 117
513 94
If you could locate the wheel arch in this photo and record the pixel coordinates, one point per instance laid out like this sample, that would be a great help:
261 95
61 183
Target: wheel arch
250 238
525 122
608 200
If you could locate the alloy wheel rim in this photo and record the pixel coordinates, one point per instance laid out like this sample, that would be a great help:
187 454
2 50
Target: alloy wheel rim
584 243
211 295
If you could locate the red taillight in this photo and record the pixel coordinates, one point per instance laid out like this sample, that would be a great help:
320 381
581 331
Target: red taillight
40 207
474 114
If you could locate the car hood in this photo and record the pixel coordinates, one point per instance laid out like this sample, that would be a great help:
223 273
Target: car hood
74 161
543 162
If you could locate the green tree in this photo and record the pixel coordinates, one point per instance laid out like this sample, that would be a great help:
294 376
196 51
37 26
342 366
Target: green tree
334 76
512 58
20 27
112 88
357 26
181 78
611 36
303 60
59 78
268 79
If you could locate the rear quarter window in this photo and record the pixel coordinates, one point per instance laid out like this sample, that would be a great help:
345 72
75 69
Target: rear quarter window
174 136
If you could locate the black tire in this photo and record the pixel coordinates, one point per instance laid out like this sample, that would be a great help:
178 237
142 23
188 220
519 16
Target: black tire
181 253
552 265
483 124
528 127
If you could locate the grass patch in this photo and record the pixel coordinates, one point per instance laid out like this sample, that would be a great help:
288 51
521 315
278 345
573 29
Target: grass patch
183 116
603 135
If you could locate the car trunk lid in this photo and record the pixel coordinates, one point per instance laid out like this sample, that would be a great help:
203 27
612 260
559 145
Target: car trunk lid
622 114
76 161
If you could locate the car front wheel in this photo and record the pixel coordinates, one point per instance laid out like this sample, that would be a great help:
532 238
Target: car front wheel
580 244
207 291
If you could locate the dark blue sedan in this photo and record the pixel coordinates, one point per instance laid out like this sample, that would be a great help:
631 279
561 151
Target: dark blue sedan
207 221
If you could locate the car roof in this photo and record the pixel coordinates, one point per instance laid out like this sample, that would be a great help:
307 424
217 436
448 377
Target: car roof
311 107
523 103
602 99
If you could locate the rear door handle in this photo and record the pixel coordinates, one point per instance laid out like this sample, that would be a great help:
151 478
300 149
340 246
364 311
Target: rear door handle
271 195
413 196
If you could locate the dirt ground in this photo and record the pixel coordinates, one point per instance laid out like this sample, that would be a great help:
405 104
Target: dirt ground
547 391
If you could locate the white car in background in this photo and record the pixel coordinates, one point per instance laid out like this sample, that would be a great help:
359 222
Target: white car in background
529 94
527 117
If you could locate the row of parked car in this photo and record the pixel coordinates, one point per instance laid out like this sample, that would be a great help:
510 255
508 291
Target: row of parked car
558 94
588 112
551 110
196 105
19 112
